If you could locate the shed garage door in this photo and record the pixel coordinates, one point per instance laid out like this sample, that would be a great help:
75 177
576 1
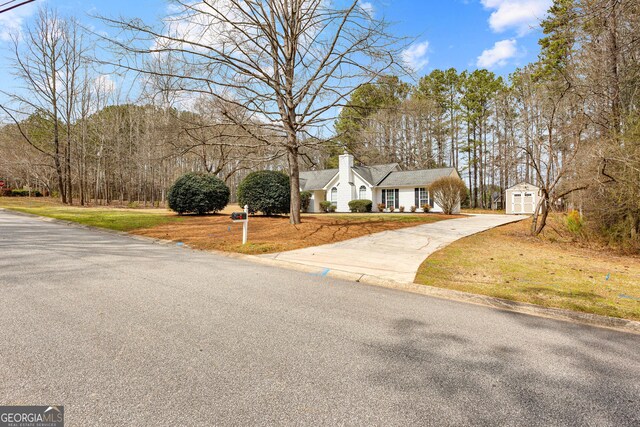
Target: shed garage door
524 202
528 202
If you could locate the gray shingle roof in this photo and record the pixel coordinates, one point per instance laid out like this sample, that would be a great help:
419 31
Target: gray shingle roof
415 178
375 174
387 175
316 180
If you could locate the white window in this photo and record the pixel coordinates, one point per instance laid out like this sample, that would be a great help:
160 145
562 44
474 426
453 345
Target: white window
391 198
334 196
363 192
421 197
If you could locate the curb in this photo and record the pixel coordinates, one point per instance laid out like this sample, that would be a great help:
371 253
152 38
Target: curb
615 323
618 324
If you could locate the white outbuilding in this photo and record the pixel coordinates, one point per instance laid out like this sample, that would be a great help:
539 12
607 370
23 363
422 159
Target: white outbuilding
522 198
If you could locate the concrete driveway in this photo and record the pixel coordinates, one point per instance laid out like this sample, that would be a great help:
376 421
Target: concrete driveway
395 254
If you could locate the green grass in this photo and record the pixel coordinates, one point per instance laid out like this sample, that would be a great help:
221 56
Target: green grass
508 263
111 218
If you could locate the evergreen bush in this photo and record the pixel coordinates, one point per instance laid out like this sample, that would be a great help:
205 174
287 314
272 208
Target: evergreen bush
198 193
266 191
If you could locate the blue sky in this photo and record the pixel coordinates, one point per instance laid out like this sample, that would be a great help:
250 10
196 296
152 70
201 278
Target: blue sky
466 34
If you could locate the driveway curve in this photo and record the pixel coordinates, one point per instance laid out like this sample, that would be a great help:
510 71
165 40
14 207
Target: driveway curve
395 254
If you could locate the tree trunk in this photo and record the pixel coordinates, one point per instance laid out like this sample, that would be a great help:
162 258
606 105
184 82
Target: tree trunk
58 164
68 167
540 217
475 169
481 161
294 174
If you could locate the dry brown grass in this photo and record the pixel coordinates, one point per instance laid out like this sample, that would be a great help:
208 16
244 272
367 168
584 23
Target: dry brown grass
275 234
481 211
552 270
218 232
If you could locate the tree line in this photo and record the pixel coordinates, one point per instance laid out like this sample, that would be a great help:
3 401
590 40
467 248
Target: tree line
265 83
274 70
567 122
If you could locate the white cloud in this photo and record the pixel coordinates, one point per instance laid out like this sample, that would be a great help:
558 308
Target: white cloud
415 56
105 84
368 8
203 26
498 54
521 15
11 22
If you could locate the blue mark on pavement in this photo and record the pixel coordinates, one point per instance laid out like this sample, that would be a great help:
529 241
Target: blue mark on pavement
323 273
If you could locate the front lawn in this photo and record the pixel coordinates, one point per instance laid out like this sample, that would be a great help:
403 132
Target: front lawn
120 219
218 232
506 262
275 234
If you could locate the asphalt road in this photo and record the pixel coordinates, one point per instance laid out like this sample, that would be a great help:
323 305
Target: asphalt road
125 332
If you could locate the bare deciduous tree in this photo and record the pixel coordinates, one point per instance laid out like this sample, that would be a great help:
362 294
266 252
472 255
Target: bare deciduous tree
47 61
289 63
448 192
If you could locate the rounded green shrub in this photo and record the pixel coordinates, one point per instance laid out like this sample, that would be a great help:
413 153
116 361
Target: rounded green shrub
198 193
360 206
327 206
268 192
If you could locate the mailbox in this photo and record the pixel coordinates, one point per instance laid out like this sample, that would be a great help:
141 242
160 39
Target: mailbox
242 217
239 216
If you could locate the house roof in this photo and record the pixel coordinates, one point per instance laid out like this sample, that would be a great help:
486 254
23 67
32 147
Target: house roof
316 180
388 175
415 178
374 174
523 186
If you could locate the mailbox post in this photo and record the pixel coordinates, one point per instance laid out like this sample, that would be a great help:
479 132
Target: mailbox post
242 217
245 225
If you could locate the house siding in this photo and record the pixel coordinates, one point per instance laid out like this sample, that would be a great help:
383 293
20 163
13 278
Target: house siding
348 181
346 189
359 182
407 199
317 197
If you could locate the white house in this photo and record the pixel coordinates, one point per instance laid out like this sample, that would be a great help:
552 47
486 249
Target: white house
522 198
386 184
